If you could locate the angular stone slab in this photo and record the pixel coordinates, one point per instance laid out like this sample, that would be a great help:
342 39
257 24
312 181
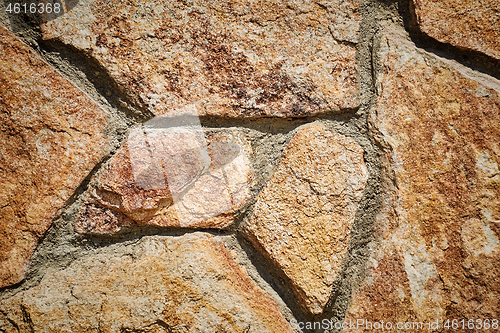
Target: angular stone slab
171 178
191 283
440 125
51 135
472 25
237 59
303 217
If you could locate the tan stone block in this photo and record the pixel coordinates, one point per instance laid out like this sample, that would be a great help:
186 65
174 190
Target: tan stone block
160 284
472 25
303 217
231 59
52 135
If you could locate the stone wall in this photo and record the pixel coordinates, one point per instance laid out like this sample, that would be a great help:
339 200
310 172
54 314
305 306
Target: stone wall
250 166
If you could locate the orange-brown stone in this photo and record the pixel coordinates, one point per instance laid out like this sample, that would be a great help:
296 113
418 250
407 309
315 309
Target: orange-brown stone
439 124
472 25
303 217
234 59
384 297
51 137
191 283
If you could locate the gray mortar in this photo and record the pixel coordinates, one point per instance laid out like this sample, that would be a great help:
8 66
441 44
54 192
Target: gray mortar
61 245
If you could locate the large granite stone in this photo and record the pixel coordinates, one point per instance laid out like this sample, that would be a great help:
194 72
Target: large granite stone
303 217
439 124
191 283
51 135
234 59
473 25
170 177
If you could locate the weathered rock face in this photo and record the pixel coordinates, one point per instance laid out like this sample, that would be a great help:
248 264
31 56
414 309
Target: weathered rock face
51 136
417 246
160 284
472 25
303 217
258 58
170 177
441 129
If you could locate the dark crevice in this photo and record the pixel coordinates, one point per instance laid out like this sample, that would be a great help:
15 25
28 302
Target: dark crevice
27 318
164 325
79 68
12 287
13 323
472 59
275 125
275 278
59 55
134 234
161 323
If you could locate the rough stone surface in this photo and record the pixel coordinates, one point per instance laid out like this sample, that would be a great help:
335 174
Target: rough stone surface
159 284
238 58
473 25
303 217
51 136
190 182
441 131
419 244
